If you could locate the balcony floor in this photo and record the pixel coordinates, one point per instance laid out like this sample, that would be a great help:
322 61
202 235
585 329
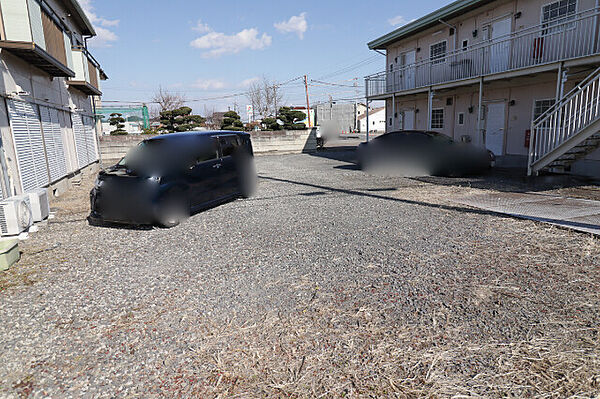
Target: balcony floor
84 87
38 57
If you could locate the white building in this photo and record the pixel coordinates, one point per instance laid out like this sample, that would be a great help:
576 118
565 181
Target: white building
48 81
376 121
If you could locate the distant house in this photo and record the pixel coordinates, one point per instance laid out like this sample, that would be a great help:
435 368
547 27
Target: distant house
376 120
49 82
338 117
517 77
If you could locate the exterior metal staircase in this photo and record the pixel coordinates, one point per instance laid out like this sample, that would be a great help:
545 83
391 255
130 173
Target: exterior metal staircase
569 130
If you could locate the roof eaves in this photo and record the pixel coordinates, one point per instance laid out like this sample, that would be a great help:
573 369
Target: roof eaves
83 19
425 22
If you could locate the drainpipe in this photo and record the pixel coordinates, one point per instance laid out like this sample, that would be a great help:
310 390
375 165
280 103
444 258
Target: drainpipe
393 111
596 26
96 129
559 83
430 95
6 189
480 113
367 120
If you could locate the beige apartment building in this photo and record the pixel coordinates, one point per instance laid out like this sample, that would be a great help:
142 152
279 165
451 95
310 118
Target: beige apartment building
518 77
48 82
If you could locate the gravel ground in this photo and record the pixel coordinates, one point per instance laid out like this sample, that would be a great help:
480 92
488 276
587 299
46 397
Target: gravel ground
328 283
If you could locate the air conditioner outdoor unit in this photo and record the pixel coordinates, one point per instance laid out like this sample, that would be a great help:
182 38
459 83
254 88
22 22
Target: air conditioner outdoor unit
15 215
40 206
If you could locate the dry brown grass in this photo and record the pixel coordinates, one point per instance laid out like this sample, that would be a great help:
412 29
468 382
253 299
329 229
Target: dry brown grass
322 351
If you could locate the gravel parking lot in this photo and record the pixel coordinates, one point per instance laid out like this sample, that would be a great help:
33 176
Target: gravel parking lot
328 283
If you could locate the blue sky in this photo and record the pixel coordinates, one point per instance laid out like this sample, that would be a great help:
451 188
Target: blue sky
207 49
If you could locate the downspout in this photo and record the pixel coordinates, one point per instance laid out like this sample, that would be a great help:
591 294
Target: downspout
393 111
480 113
6 189
430 95
596 27
96 129
367 132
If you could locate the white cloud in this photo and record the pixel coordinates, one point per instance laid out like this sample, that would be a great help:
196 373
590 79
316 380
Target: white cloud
202 27
296 24
248 82
209 84
105 37
399 20
218 44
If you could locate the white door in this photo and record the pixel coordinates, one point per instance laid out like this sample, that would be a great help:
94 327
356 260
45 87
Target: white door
500 52
409 119
494 128
408 65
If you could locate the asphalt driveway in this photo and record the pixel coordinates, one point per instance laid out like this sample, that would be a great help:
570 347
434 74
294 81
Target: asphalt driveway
329 282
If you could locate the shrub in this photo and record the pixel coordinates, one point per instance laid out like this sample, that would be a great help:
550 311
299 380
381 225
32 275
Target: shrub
149 130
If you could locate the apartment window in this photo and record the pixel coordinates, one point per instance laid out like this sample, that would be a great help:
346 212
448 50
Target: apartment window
437 118
556 13
461 118
542 106
437 52
558 9
465 44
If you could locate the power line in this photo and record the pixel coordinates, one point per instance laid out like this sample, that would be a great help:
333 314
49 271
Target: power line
334 84
351 67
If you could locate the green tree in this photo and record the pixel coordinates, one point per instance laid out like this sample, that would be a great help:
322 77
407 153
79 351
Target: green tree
180 120
117 121
271 124
290 117
232 121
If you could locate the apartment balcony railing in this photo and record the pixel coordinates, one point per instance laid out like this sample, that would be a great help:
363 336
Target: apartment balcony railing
87 72
559 40
32 34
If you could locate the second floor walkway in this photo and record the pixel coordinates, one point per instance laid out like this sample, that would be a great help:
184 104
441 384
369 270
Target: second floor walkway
566 39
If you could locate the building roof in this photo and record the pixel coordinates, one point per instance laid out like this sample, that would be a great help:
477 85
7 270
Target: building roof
80 17
371 113
447 12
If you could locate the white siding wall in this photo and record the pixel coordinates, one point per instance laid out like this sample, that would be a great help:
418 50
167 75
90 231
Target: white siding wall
45 147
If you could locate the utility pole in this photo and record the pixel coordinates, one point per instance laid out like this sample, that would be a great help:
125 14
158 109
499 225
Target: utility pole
307 102
275 100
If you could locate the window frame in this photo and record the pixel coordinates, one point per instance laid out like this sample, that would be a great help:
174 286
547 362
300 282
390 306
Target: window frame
551 23
433 110
459 122
535 101
441 58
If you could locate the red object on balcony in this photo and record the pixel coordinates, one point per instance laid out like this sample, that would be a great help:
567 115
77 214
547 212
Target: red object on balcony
538 47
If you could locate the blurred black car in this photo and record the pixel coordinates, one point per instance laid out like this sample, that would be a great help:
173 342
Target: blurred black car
417 152
166 178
